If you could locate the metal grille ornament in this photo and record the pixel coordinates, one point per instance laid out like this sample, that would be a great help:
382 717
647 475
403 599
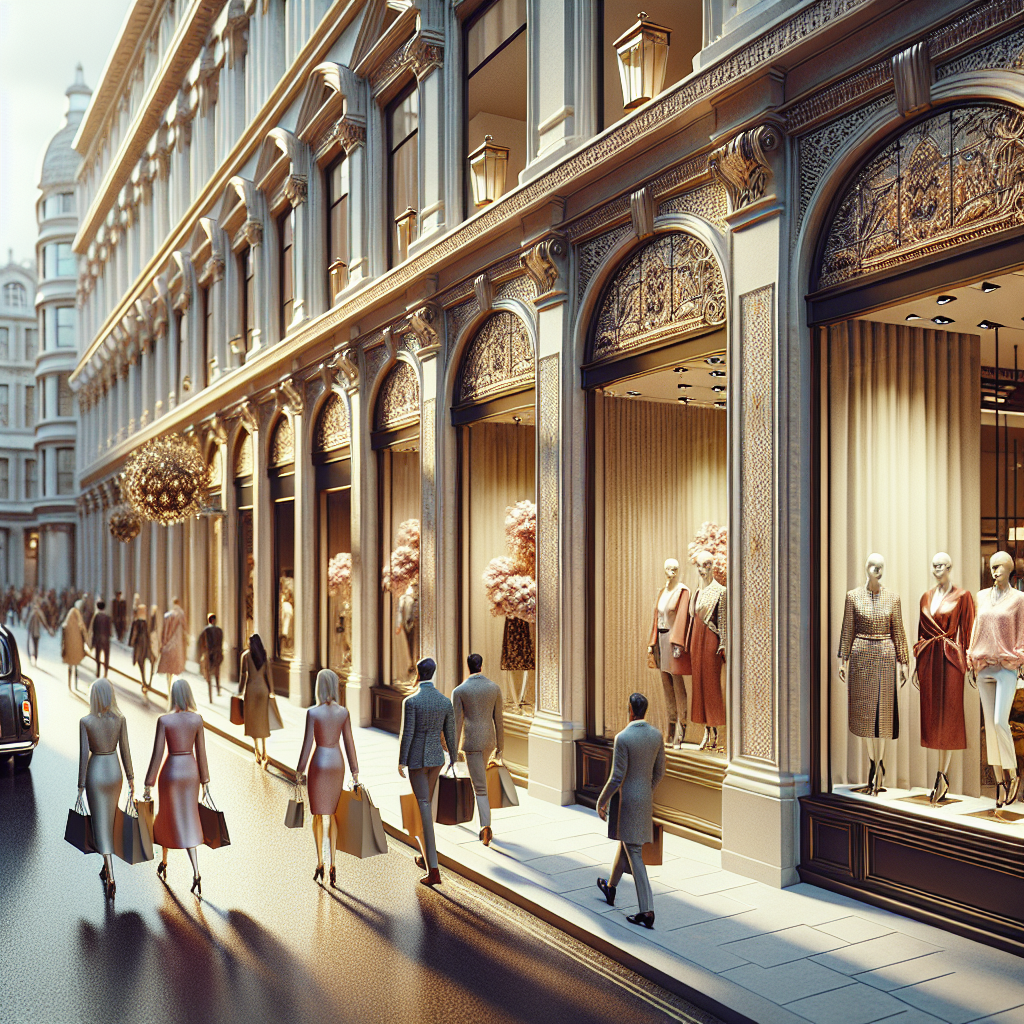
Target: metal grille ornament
125 525
164 480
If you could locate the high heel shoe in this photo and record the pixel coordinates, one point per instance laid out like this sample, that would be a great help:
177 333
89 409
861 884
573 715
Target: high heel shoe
1001 788
334 878
871 776
197 886
318 875
161 870
646 919
111 888
941 787
608 890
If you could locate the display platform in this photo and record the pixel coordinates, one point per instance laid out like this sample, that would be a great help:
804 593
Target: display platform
387 708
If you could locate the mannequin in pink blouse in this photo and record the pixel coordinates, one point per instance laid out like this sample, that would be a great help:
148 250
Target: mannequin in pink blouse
995 658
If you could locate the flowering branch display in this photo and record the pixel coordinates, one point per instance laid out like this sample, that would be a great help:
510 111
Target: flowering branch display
339 576
403 567
165 480
509 581
713 539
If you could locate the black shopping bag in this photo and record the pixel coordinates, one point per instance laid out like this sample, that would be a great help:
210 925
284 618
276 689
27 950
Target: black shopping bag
78 831
296 813
455 800
133 841
215 828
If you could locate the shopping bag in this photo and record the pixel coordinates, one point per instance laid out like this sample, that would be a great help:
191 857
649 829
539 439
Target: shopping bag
652 852
133 841
273 714
146 814
215 828
455 799
237 710
296 813
78 831
501 790
360 829
412 821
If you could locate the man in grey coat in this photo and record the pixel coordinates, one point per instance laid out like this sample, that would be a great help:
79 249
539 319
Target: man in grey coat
480 728
638 765
426 715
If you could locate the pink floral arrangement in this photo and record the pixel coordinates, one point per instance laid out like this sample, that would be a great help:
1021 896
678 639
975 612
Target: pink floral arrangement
714 539
408 534
511 593
404 566
521 534
339 575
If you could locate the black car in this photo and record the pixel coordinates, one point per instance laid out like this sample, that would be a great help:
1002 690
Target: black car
19 719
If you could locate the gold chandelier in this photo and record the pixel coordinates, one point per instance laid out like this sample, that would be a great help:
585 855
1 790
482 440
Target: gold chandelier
166 479
124 524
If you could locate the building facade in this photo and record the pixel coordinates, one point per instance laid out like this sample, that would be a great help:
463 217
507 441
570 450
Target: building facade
399 268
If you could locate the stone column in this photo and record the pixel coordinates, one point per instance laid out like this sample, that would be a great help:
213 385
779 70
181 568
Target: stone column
264 584
296 189
173 342
428 58
124 412
197 569
429 639
160 404
110 421
358 255
254 233
215 296
134 421
365 599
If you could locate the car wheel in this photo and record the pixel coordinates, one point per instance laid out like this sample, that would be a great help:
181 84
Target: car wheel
22 761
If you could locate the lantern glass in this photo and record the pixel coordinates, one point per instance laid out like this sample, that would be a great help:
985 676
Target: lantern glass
488 165
406 225
338 271
643 58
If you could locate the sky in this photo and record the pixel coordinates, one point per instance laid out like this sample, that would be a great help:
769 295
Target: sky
41 41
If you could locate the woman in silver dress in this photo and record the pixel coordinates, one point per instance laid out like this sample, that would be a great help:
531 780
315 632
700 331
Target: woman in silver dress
101 732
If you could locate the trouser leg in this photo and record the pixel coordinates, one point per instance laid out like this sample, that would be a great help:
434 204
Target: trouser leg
423 781
619 863
477 765
1006 686
644 896
670 700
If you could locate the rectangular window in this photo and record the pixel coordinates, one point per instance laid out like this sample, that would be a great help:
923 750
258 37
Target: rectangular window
5 405
65 332
30 406
206 372
30 478
5 344
65 470
46 400
286 278
58 260
403 172
337 216
67 202
5 479
42 455
65 397
31 343
248 298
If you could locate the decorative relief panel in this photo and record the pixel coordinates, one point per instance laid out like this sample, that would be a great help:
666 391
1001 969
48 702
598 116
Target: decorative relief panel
548 504
670 286
282 443
398 402
516 288
955 177
214 462
458 317
757 690
332 428
590 255
1006 52
709 202
243 455
373 360
498 359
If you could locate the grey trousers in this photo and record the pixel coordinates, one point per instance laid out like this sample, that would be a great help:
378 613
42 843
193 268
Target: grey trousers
476 762
632 851
423 782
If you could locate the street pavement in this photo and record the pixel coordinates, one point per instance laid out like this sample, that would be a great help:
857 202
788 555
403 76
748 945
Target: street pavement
265 943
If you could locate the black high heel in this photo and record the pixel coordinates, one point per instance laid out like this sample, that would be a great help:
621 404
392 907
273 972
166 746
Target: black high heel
197 886
103 873
318 875
111 888
608 890
334 878
1001 794
161 870
879 779
646 919
871 776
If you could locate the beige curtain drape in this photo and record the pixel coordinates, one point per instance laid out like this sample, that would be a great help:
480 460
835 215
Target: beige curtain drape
902 429
404 504
661 473
498 462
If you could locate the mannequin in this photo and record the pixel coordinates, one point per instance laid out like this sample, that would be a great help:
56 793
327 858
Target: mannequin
873 652
706 648
995 657
173 643
406 617
943 632
667 643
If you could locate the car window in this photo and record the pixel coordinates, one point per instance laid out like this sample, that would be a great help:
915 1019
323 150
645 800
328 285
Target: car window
6 662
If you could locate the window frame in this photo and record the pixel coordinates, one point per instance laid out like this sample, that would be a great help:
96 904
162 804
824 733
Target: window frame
70 452
338 164
58 327
411 89
285 268
246 266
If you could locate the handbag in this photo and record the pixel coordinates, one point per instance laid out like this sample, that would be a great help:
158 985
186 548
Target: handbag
237 710
296 813
501 790
215 828
455 799
653 853
360 829
78 831
133 841
273 715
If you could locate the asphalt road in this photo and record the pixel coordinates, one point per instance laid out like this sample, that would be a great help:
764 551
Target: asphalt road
266 943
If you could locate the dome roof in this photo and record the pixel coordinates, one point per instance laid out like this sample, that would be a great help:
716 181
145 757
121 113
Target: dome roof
60 164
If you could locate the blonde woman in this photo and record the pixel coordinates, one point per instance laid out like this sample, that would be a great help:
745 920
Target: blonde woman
327 725
101 732
177 825
74 640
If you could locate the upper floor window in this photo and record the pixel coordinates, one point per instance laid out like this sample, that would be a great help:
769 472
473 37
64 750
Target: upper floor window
64 317
58 260
30 406
31 343
206 372
403 178
30 478
5 345
65 470
5 405
5 479
495 46
61 203
15 295
65 396
286 274
337 215
248 297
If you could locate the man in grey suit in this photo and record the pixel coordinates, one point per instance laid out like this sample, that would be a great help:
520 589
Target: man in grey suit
637 767
480 728
426 715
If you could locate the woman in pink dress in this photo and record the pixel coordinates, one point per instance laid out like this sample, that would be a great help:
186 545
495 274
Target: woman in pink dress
327 724
177 825
173 642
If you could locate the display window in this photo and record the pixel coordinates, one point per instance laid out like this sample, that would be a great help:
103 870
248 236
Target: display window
213 533
243 474
281 471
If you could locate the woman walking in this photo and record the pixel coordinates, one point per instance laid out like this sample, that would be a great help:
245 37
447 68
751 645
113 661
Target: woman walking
173 642
101 732
73 640
138 641
256 686
35 624
177 825
326 724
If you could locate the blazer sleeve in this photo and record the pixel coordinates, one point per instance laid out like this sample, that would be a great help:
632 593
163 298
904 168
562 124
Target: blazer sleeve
204 768
83 753
659 766
307 745
680 635
499 720
723 622
126 754
899 636
459 716
158 752
620 765
350 744
847 634
408 728
243 672
270 678
449 732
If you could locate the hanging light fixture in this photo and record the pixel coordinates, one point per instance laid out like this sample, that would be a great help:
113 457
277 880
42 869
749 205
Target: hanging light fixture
165 479
643 57
124 524
488 164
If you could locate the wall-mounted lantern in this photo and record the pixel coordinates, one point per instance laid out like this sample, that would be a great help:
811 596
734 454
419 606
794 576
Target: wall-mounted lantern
338 271
643 56
406 225
488 164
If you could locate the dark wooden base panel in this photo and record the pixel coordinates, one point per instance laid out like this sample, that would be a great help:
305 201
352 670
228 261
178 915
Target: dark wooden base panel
387 708
957 878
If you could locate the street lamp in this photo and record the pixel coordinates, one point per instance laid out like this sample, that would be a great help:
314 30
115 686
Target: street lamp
643 56
488 164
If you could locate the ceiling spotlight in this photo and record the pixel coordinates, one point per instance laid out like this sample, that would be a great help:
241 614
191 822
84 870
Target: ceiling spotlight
684 387
990 325
988 286
714 360
716 373
719 405
633 394
942 300
718 388
682 369
685 401
943 320
913 316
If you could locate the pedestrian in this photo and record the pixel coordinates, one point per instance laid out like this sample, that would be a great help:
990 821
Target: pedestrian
154 626
327 725
427 714
101 732
173 642
101 638
177 825
119 614
138 641
638 764
256 685
35 624
73 641
88 606
479 727
211 653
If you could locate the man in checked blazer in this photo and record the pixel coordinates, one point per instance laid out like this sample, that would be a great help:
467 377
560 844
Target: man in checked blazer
426 715
480 728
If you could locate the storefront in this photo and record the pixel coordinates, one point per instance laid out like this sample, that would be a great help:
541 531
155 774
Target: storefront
245 584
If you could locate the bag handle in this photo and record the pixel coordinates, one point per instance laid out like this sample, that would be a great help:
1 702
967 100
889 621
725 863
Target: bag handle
129 806
207 799
80 807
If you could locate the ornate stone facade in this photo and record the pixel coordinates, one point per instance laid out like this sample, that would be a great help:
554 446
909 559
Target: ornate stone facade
243 456
398 402
282 443
332 426
498 359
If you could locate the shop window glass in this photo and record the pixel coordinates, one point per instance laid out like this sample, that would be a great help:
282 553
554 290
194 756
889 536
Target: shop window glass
286 279
336 579
64 318
65 470
15 295
284 573
5 479
5 405
403 173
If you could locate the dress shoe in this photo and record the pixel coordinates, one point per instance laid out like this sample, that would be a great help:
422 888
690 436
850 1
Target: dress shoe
432 877
334 877
420 862
608 890
318 875
646 918
486 835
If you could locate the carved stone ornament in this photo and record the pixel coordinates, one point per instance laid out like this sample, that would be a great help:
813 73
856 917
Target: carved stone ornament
545 262
672 286
295 189
243 456
424 323
743 166
951 179
499 359
332 428
292 396
425 56
249 414
282 443
252 230
348 132
484 291
398 402
912 78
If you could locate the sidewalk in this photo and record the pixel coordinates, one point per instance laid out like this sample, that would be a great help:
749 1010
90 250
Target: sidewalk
741 949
